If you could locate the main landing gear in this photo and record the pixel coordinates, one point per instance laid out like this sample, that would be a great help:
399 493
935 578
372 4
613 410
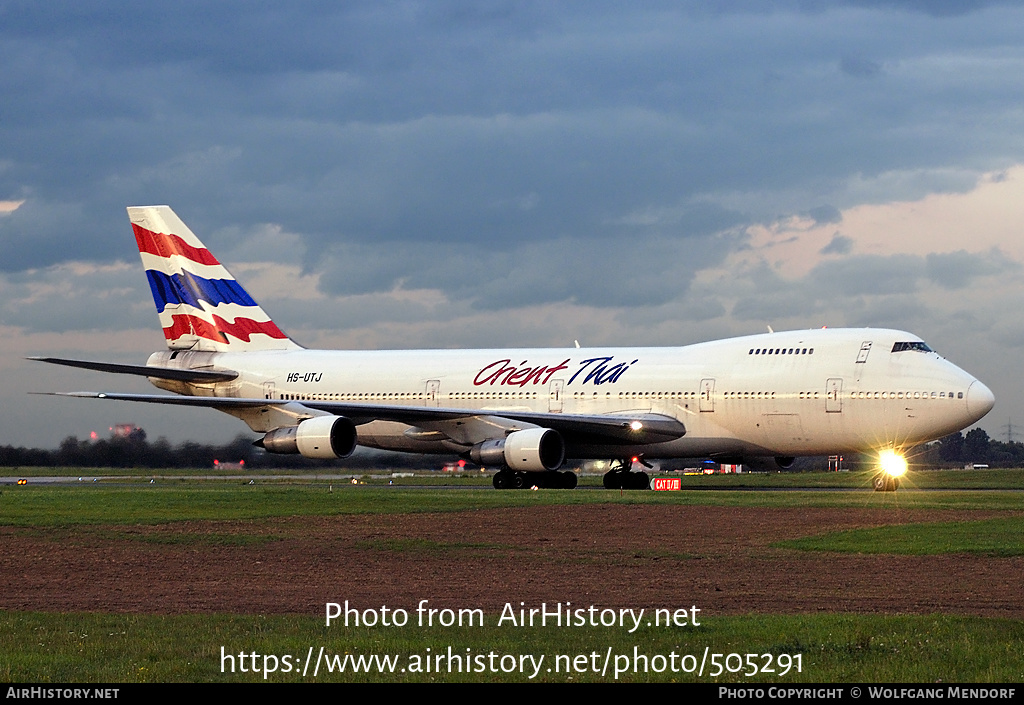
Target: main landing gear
620 477
506 479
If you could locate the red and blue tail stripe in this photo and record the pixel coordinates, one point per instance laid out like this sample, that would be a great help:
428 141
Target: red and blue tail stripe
187 288
201 306
241 328
163 245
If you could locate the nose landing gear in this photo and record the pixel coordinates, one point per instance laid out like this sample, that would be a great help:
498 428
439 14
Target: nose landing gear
885 482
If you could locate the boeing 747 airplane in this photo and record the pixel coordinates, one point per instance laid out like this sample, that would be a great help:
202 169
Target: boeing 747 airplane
526 411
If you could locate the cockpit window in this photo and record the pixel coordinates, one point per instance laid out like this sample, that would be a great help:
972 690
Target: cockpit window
916 345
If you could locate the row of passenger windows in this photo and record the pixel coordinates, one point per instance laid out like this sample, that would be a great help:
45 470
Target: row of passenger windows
906 395
492 395
354 396
401 396
781 351
637 395
850 395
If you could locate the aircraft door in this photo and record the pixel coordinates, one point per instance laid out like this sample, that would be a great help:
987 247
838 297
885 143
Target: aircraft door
707 395
862 357
834 395
432 394
268 390
555 392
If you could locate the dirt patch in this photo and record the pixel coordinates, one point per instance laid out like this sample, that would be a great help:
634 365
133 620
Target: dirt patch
718 558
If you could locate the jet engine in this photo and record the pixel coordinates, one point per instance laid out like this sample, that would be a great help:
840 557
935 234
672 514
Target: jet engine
530 450
318 437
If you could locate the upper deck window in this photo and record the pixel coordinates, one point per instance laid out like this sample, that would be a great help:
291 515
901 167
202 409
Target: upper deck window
918 346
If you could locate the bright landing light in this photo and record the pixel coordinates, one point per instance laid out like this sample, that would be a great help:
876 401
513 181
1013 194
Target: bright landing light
892 463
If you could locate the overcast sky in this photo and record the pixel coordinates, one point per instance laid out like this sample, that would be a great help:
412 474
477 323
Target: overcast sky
449 174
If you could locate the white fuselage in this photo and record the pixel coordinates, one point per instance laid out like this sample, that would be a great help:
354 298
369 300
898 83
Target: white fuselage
779 394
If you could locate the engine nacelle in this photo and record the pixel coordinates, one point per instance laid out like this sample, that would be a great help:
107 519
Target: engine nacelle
785 462
319 437
531 450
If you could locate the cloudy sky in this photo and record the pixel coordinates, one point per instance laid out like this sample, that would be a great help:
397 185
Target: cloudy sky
447 174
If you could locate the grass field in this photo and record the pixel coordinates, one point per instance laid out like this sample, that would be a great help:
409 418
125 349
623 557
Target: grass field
53 647
833 648
991 537
64 506
992 478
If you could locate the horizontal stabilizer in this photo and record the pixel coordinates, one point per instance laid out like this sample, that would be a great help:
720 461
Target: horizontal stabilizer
180 375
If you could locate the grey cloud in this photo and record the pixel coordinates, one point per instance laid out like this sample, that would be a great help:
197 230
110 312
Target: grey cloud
41 233
417 121
697 307
826 214
935 8
346 313
59 299
867 275
775 305
955 270
763 295
854 284
860 67
866 290
838 245
900 311
608 272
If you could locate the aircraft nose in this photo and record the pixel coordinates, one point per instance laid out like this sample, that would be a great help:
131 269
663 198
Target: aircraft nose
980 400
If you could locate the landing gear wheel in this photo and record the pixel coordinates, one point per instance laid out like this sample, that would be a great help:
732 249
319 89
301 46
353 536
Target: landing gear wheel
509 480
885 483
625 480
615 478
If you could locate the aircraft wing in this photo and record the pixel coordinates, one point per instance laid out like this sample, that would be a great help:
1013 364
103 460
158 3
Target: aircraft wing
639 428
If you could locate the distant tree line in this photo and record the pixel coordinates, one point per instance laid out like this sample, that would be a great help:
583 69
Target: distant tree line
976 447
953 451
134 451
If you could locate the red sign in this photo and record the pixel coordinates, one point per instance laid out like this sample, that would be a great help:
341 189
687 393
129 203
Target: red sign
667 483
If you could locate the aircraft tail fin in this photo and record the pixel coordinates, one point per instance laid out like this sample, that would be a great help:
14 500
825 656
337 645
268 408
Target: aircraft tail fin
201 306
